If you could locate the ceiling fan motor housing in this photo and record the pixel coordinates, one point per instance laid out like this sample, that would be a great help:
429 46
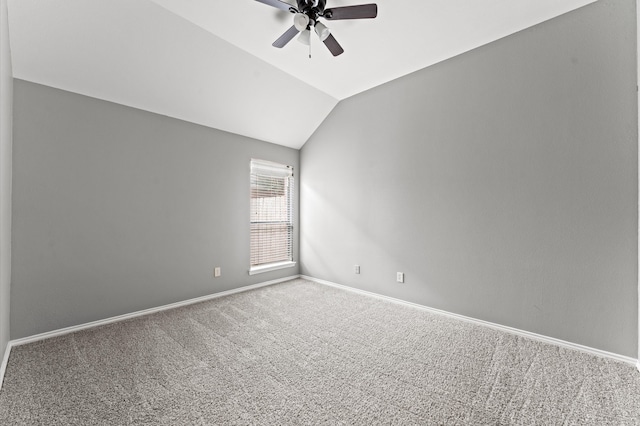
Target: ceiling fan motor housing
312 8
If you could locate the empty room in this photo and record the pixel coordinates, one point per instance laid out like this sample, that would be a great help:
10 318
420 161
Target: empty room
319 212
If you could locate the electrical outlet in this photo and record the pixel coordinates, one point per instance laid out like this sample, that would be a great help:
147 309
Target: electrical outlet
400 277
216 272
356 269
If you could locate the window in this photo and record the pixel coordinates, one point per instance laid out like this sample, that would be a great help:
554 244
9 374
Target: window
271 216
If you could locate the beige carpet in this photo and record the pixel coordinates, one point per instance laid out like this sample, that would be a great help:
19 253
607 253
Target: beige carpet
303 353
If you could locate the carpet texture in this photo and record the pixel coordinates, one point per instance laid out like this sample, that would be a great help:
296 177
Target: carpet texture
303 353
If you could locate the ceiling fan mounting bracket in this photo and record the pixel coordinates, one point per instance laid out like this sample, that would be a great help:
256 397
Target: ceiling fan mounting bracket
312 8
311 4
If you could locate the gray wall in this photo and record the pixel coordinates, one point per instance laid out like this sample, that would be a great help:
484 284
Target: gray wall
502 182
117 210
6 103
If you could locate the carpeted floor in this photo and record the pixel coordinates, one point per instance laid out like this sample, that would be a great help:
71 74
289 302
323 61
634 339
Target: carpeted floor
303 353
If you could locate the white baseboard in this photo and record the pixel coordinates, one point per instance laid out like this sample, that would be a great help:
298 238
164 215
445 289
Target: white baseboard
5 360
73 329
511 330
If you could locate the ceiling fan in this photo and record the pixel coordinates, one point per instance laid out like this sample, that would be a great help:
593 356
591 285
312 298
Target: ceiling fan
307 14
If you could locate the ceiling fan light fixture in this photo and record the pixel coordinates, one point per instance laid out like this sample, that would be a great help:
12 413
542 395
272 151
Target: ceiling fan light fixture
322 31
305 37
301 21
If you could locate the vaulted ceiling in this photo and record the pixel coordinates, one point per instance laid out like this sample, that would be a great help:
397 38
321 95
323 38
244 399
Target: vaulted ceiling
211 62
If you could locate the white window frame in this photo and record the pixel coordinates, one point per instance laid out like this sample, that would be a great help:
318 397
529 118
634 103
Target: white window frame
276 171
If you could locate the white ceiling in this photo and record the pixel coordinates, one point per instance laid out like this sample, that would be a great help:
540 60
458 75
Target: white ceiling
211 61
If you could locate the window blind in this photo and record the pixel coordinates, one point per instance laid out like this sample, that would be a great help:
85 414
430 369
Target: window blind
271 213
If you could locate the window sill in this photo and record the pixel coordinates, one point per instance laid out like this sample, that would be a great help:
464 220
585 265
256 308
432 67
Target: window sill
271 267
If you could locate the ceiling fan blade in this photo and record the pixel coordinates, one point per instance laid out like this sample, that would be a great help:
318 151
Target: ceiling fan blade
362 11
286 37
333 46
277 3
